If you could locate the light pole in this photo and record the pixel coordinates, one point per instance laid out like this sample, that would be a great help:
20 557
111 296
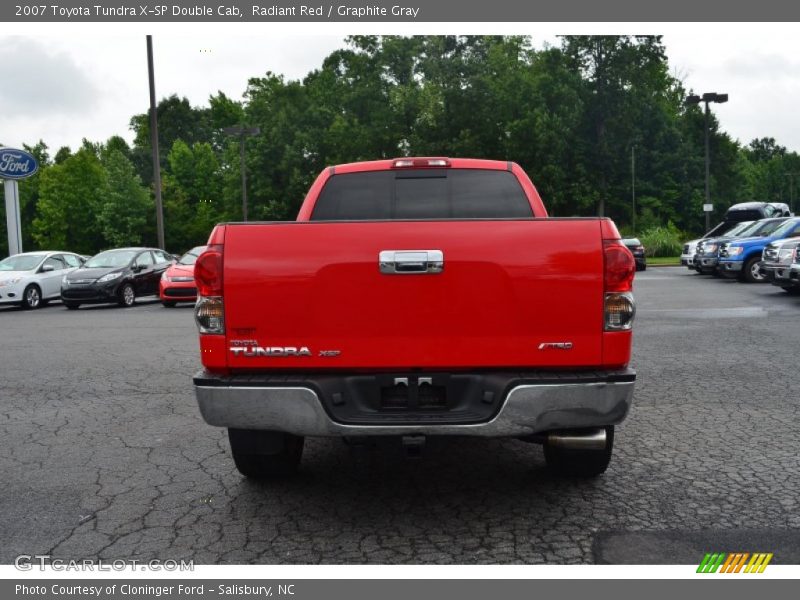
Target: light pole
707 98
242 133
154 146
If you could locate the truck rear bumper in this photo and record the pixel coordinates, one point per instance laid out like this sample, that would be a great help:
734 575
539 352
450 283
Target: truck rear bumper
526 409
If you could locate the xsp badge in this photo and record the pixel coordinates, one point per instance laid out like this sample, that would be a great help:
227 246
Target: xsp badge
555 346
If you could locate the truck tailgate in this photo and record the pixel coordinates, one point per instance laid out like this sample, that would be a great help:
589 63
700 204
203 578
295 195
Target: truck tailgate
526 293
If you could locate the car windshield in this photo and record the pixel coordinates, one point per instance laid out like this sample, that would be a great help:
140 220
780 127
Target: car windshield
742 228
191 256
112 258
765 228
785 228
21 262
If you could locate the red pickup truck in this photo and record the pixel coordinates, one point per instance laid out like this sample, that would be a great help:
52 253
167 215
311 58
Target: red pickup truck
417 297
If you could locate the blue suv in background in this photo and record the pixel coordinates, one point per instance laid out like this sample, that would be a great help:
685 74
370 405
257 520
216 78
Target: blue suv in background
740 257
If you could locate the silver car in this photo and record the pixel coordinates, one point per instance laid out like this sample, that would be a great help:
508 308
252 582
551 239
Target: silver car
31 279
776 262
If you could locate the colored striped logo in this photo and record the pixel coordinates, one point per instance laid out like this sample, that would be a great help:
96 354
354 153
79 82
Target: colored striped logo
735 562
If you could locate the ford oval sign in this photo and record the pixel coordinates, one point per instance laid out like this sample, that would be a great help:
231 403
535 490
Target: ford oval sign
17 164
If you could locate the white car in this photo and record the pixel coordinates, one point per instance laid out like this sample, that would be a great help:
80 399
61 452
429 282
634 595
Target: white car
689 249
31 279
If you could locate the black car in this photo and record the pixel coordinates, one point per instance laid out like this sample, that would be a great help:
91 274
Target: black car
636 248
119 276
749 211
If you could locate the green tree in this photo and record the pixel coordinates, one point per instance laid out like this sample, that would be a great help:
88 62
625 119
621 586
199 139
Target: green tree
764 149
115 143
63 154
192 192
124 210
624 77
177 120
71 195
29 193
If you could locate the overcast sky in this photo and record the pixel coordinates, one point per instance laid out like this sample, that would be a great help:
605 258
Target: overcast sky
62 88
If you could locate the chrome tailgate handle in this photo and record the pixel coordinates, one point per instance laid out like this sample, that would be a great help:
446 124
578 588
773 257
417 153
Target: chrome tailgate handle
411 262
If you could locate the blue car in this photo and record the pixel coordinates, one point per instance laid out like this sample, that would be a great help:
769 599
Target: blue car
739 258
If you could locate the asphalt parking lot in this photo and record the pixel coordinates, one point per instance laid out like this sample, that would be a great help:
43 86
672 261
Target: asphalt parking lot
104 453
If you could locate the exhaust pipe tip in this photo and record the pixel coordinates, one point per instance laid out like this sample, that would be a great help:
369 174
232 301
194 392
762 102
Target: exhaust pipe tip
593 439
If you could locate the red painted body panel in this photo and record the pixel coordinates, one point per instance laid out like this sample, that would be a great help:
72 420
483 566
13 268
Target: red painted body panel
214 353
616 349
507 286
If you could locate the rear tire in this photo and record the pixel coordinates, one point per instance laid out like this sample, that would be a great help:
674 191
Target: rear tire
265 454
169 303
31 297
72 305
580 463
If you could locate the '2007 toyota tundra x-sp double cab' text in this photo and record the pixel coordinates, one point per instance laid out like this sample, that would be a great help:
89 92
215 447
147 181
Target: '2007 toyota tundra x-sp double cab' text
417 297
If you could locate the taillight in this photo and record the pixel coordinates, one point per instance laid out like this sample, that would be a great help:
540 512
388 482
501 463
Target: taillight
620 309
619 270
208 271
619 266
209 312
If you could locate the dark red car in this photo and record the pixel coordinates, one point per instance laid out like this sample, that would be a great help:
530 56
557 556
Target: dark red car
177 282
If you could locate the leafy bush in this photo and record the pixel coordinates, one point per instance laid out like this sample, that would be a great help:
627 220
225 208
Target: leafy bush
662 241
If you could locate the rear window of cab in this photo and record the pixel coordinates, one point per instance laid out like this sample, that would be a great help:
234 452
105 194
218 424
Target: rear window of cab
420 194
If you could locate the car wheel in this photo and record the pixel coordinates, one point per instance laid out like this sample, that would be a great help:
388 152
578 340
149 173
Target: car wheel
169 303
751 273
31 297
580 462
127 297
72 305
265 454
